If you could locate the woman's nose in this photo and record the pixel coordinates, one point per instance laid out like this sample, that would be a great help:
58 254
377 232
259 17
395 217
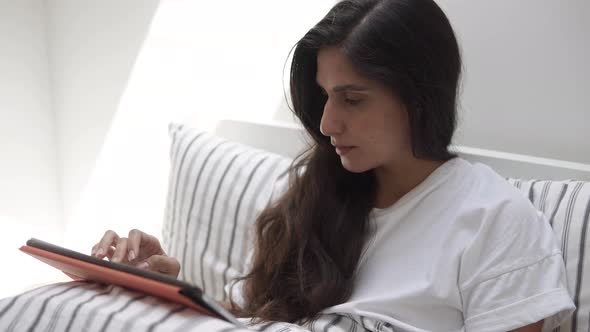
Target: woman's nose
331 123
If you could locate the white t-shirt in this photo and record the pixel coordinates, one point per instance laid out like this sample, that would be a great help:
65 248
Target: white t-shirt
462 251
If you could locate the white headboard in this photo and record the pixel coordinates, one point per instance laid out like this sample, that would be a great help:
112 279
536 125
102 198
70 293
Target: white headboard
289 139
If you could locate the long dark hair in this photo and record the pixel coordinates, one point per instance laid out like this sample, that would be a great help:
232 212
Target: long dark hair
309 242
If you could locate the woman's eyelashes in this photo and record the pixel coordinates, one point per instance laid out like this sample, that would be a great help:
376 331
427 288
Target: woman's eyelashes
352 101
349 100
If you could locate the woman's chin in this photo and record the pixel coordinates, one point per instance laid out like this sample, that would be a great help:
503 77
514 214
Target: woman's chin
354 167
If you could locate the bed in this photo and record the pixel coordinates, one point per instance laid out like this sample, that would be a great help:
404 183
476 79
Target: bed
219 182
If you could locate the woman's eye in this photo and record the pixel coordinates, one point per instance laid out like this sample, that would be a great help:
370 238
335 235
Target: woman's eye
352 102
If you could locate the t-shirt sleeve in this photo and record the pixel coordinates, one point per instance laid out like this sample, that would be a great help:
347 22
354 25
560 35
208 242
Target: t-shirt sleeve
233 290
512 273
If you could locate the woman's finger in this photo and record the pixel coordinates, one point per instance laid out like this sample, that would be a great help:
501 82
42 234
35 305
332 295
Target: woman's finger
109 238
162 264
135 239
110 251
120 251
142 245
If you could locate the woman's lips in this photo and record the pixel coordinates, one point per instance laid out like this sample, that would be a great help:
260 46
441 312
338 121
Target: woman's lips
342 150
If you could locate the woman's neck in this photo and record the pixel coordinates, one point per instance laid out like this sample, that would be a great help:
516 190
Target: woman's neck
396 180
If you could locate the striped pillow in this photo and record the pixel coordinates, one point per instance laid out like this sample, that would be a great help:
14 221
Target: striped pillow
567 207
216 189
82 306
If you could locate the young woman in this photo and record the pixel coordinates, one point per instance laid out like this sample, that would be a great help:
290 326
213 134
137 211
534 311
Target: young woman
380 218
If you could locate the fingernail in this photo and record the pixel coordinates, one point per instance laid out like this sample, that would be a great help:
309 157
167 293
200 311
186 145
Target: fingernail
143 266
131 255
100 252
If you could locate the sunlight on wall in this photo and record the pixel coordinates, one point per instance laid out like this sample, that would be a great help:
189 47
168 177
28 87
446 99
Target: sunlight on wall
21 271
200 62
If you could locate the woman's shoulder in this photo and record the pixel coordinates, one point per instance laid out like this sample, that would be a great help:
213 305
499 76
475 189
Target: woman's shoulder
487 201
483 187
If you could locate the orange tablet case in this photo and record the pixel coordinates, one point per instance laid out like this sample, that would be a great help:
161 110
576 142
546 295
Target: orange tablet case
83 267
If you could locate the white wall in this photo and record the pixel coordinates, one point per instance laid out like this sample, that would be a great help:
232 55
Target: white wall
527 75
117 86
93 46
29 197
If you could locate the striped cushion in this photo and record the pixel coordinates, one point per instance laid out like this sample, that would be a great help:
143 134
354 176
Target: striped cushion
216 189
80 306
567 207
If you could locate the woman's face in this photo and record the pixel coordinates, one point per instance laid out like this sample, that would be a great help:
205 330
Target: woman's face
367 124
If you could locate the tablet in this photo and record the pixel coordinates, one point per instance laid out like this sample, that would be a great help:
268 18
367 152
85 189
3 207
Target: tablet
85 267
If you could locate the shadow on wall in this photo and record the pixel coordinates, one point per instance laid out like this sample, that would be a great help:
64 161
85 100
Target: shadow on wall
93 47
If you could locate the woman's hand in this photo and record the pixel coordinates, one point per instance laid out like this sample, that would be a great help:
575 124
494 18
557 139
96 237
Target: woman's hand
139 249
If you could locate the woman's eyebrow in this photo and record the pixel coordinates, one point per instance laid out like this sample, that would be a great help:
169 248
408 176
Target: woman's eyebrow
347 87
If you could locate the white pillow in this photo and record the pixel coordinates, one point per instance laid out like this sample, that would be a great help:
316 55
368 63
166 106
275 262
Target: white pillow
217 188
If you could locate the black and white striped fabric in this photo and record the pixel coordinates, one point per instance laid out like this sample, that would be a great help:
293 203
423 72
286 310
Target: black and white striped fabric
567 207
216 189
80 306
